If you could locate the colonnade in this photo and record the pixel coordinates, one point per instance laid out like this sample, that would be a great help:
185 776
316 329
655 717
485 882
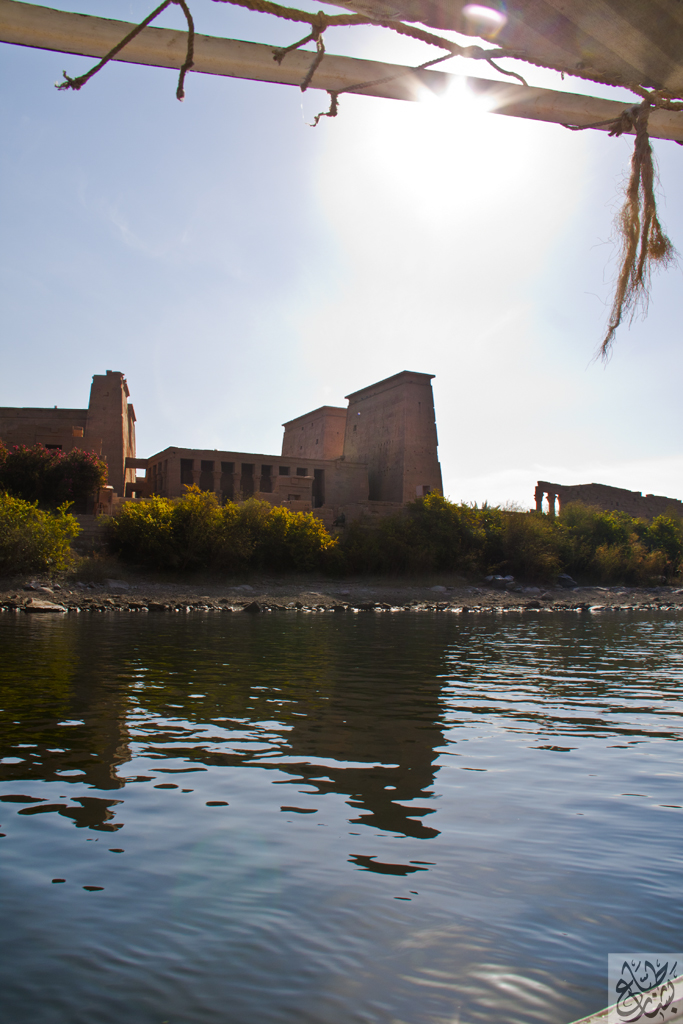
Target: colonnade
544 488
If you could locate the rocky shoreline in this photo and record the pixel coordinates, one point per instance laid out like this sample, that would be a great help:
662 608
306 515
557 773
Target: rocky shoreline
322 595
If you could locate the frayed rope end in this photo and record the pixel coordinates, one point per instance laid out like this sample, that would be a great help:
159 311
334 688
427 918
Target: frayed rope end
644 245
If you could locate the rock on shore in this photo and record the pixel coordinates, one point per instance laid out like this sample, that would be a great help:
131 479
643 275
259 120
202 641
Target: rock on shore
301 594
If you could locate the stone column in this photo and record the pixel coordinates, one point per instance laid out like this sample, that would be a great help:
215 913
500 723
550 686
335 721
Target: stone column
172 485
551 504
538 495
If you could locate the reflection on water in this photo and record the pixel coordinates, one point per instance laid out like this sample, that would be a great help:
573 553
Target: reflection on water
334 818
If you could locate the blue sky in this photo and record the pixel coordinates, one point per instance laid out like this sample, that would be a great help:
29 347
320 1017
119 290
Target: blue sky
242 268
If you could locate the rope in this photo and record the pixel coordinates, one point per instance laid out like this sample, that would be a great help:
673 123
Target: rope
320 47
323 21
79 82
335 94
513 74
320 21
643 242
470 52
618 126
282 52
332 112
592 75
189 57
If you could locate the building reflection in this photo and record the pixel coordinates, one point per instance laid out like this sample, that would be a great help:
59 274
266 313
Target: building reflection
359 694
65 717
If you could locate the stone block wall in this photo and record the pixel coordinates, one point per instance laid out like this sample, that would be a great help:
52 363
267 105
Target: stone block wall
235 476
106 427
382 449
317 435
391 427
110 427
54 428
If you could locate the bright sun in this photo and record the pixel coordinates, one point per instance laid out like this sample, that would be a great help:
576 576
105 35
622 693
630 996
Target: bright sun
447 152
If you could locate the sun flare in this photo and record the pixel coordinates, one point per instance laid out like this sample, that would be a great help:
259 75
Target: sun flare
458 99
446 152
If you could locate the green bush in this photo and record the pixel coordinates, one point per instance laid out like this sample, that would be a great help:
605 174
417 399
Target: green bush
628 563
430 535
32 540
665 534
50 476
613 547
436 535
195 532
530 549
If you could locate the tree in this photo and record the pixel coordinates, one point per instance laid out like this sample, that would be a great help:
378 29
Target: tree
51 477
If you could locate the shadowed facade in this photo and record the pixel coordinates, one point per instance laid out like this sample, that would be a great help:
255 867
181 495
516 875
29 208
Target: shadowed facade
106 427
369 459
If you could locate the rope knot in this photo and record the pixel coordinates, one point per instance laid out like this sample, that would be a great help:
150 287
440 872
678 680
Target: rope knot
626 122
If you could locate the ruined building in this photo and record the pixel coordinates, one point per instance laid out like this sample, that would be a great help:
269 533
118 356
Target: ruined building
371 457
609 499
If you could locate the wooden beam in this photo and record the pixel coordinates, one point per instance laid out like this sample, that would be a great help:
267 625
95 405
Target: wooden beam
44 28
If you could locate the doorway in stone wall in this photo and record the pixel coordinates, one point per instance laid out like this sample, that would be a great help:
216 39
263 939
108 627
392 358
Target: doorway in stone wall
318 493
266 483
186 472
247 480
206 475
227 481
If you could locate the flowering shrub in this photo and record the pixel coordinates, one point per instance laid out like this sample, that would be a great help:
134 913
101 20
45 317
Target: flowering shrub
50 476
195 532
32 540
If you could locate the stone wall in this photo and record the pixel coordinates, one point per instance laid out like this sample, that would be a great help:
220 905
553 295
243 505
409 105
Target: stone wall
370 511
391 427
317 435
235 476
365 461
55 428
110 427
106 427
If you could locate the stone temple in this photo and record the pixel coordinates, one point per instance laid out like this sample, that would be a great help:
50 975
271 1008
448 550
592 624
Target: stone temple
368 458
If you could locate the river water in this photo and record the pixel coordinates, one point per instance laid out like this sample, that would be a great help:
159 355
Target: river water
334 818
